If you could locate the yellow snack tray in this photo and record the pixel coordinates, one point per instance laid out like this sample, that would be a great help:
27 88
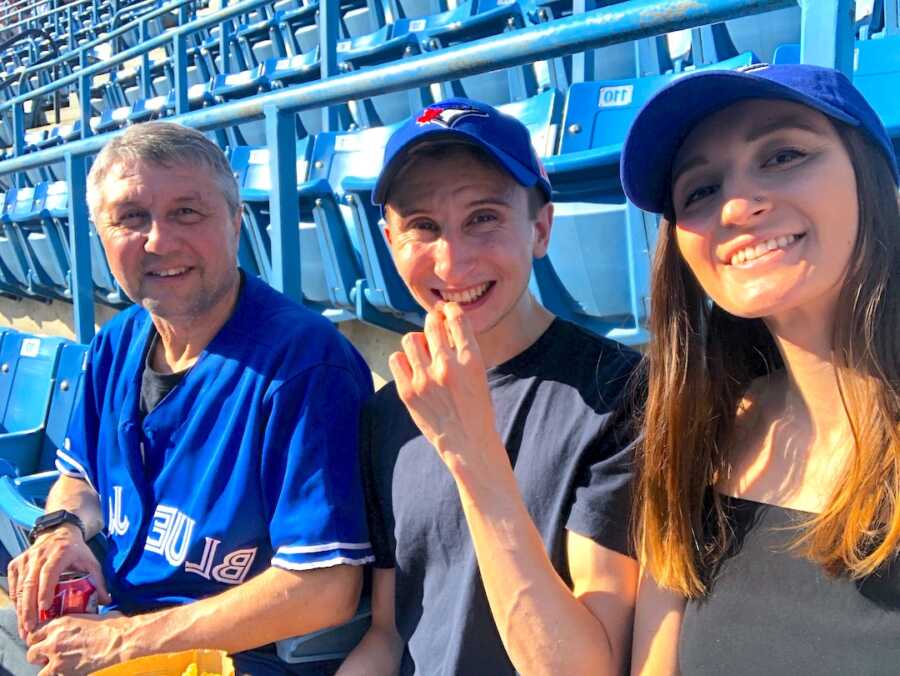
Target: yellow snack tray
189 662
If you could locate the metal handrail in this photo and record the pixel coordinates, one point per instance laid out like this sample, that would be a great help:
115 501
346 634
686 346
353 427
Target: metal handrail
154 43
58 10
601 27
112 35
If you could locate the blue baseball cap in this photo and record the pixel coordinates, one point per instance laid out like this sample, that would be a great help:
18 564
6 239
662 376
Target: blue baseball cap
665 121
458 119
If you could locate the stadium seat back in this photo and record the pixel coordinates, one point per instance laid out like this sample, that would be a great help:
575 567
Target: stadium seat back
30 381
67 386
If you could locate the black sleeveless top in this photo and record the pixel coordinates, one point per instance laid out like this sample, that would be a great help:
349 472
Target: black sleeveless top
770 611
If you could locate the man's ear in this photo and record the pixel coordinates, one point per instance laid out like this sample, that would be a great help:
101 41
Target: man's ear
543 223
385 218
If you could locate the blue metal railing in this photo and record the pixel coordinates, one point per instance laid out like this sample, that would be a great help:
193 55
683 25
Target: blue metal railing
831 22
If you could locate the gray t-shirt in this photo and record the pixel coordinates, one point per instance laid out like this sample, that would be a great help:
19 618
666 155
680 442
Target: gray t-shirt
554 404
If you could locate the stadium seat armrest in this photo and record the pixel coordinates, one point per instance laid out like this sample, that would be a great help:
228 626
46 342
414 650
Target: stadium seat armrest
21 449
581 161
312 189
358 184
37 485
15 505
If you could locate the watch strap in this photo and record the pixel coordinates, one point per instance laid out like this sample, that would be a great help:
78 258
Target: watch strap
51 520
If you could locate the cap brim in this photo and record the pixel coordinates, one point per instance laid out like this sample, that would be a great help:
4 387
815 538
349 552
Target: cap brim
521 174
665 121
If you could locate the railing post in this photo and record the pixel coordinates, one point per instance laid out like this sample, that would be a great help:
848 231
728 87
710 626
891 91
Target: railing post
281 137
328 34
181 86
827 34
18 123
84 98
582 62
71 20
80 248
224 44
145 62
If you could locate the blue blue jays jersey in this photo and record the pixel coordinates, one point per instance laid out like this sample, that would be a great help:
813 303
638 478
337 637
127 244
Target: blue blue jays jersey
251 460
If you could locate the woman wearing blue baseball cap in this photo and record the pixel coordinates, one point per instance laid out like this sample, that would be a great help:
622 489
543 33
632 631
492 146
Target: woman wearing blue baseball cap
767 510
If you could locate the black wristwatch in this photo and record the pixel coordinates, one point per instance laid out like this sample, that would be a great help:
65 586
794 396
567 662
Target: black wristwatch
51 520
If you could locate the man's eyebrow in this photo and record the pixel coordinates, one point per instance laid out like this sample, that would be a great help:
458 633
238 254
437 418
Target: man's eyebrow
405 210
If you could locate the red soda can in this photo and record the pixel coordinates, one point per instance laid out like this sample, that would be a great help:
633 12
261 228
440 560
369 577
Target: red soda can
75 593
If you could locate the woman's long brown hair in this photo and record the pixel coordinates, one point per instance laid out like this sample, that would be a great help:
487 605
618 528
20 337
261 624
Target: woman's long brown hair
699 365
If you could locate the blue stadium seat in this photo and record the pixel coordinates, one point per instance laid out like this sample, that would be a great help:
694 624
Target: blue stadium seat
42 237
251 165
345 166
52 378
27 364
877 75
27 459
241 85
763 33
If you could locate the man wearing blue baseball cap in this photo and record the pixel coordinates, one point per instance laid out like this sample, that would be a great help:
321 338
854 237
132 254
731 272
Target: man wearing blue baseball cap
496 466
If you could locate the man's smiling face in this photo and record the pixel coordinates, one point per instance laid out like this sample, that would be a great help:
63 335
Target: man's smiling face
169 236
461 230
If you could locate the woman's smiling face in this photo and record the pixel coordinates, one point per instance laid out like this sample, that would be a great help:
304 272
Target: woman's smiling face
766 208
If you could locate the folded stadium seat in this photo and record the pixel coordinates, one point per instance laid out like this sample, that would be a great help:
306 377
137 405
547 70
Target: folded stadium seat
395 10
27 458
877 76
49 218
463 24
596 117
112 119
244 84
383 46
27 364
263 41
601 245
44 376
150 109
33 139
301 33
763 33
323 288
297 70
41 237
17 269
342 162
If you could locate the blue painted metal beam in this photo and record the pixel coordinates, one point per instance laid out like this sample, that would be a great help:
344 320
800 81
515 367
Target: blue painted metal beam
80 248
284 209
598 28
826 33
328 63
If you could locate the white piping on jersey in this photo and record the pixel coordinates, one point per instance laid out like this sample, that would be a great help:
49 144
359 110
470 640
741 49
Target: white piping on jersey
290 565
314 549
79 472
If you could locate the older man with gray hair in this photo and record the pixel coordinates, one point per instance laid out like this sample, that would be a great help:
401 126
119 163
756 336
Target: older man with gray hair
215 444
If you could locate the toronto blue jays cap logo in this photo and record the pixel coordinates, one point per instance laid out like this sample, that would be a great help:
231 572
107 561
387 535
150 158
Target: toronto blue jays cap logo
447 116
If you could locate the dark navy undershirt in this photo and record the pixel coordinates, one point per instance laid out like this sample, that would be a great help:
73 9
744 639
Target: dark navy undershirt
155 385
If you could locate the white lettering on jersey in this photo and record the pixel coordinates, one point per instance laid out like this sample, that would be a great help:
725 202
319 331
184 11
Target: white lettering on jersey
235 566
159 529
184 526
170 534
118 524
204 568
